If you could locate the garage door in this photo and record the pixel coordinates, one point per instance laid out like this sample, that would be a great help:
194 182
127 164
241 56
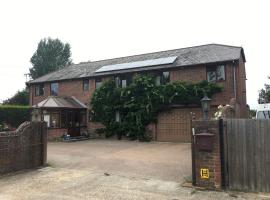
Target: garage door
174 125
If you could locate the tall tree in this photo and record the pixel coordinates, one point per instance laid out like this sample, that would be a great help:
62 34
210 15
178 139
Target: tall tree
264 94
51 54
20 98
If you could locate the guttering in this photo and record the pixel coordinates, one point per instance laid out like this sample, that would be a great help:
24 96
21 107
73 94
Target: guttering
234 79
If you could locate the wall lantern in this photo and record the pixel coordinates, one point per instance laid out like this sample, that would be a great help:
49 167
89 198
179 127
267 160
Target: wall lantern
205 106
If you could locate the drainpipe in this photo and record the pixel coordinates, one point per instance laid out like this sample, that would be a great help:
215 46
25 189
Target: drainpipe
234 79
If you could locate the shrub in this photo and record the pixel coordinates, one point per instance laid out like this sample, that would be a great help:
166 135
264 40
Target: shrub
14 115
139 103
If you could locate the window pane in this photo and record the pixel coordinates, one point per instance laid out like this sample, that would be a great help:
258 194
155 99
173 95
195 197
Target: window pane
39 90
220 73
158 80
117 81
98 83
54 89
211 76
64 119
124 83
46 118
55 121
165 77
117 116
83 118
86 85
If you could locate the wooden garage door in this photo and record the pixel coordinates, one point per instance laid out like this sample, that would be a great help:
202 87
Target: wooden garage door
174 125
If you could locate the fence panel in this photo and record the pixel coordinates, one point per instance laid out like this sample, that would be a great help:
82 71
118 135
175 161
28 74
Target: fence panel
248 149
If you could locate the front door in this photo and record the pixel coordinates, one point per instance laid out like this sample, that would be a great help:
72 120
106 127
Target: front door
73 118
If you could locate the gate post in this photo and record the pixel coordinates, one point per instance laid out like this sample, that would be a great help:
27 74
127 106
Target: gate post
206 154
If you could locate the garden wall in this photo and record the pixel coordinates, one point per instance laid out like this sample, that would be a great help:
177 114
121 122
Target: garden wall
24 148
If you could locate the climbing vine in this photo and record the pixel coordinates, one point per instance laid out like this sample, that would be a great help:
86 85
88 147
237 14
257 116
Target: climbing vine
139 103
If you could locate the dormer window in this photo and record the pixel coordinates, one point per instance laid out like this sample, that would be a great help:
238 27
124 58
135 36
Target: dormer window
216 73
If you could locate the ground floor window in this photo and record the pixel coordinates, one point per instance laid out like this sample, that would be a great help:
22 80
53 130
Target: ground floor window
65 118
55 120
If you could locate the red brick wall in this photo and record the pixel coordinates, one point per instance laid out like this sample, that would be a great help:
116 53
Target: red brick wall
24 148
189 73
207 159
198 73
56 133
241 89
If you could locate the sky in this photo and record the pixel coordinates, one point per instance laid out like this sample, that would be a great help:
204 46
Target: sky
102 29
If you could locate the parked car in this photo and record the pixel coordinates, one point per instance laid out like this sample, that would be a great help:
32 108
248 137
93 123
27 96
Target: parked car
263 111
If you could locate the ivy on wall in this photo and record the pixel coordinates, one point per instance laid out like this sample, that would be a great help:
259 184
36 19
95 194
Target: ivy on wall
127 111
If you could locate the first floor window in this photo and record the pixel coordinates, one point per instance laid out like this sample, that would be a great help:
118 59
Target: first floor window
123 81
39 90
165 77
86 85
162 78
216 73
54 89
98 82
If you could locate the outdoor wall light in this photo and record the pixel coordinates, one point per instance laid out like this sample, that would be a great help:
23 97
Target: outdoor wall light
205 106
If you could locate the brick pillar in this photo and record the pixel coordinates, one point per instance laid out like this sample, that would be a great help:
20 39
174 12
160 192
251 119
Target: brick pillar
206 154
44 138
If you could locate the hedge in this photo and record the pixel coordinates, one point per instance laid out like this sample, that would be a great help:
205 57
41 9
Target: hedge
14 115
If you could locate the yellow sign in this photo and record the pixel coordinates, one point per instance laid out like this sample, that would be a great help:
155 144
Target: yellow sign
204 173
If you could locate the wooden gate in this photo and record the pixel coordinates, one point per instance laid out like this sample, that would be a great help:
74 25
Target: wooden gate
248 154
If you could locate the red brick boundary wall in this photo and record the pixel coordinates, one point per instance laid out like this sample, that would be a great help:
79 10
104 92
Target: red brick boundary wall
206 155
24 148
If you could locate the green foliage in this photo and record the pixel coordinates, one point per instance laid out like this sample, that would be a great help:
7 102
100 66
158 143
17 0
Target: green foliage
264 94
50 55
140 103
14 115
252 113
20 98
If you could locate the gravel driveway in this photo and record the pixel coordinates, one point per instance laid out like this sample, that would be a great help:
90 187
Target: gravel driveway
104 169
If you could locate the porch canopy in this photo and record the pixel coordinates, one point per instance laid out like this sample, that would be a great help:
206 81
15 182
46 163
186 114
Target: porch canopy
60 102
62 113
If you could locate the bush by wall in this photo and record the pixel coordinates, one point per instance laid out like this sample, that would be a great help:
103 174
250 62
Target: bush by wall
126 111
14 115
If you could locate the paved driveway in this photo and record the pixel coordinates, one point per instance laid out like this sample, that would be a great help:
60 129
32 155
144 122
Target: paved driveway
105 170
165 161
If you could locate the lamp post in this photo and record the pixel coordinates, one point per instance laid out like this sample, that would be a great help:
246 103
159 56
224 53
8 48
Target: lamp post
205 107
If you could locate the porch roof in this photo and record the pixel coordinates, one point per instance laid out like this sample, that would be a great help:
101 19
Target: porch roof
60 102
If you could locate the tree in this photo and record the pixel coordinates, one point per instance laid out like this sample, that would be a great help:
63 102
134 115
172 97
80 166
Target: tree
20 98
50 55
264 94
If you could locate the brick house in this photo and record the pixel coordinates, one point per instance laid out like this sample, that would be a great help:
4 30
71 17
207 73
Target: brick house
62 97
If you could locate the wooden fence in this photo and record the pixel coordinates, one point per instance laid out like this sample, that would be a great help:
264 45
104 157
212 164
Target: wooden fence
247 154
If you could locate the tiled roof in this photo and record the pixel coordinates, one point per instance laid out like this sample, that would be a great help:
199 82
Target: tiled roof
60 102
210 53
